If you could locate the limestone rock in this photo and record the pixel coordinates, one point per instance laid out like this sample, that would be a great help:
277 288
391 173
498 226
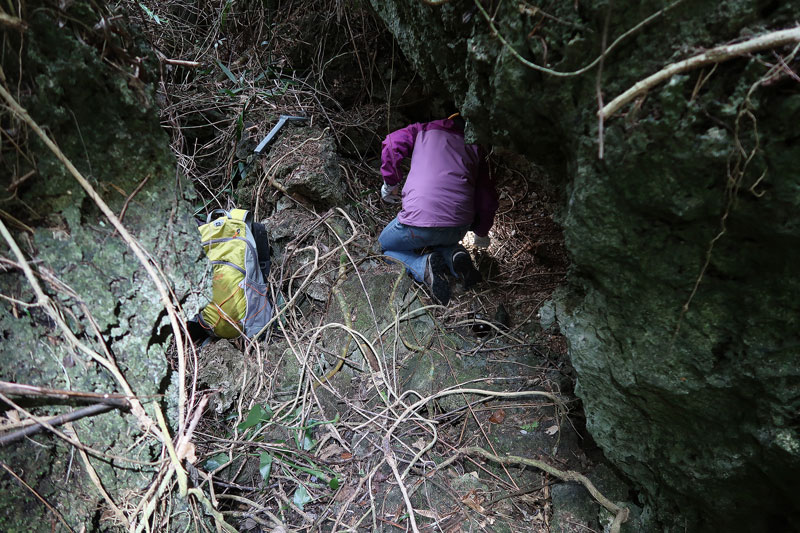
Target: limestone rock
574 509
308 169
104 120
222 368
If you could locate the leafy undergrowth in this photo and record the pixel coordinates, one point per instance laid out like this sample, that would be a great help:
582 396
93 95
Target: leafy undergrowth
291 441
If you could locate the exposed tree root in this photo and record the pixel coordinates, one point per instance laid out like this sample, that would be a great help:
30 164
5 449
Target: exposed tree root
719 54
620 513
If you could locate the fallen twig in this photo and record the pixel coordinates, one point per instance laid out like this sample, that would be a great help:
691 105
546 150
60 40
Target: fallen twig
534 66
20 389
77 414
92 473
389 453
183 479
19 181
129 198
181 62
44 421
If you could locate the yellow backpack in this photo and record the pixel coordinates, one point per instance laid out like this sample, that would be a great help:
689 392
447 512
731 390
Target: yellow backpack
239 300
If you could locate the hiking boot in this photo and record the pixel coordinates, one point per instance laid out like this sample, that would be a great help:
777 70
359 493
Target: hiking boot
465 270
435 278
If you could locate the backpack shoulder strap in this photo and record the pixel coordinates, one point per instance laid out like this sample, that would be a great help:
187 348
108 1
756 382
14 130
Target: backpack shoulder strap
240 214
213 213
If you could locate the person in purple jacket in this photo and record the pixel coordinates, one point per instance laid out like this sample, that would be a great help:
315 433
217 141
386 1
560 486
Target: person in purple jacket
447 192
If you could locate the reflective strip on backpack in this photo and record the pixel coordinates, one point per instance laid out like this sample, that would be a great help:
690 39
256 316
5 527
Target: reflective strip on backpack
232 265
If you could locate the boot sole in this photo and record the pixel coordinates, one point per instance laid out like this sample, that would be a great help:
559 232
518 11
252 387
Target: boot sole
463 266
440 287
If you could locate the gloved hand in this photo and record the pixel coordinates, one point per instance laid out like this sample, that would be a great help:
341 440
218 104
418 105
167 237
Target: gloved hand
390 194
482 242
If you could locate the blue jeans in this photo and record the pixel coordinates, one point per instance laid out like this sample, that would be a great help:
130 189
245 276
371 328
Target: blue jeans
404 243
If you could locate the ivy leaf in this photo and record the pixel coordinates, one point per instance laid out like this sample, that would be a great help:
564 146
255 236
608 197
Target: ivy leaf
301 497
265 465
212 463
256 415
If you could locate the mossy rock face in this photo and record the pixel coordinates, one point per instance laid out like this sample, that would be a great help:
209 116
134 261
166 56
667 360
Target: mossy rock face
374 299
104 120
686 357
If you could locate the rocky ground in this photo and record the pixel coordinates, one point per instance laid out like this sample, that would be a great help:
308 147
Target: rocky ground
366 400
294 443
398 350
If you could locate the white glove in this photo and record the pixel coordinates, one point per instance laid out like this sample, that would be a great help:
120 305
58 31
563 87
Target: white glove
482 242
389 194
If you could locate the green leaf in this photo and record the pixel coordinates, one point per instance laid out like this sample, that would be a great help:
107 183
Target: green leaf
311 423
334 483
265 465
227 72
308 443
301 497
239 129
531 426
313 469
256 415
225 13
150 13
212 463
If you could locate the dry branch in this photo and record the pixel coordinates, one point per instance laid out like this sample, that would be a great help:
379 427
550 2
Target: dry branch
719 54
386 440
9 21
181 62
19 389
586 68
56 421
92 473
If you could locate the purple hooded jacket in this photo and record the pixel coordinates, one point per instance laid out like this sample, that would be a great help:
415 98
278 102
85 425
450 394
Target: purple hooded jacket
448 184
